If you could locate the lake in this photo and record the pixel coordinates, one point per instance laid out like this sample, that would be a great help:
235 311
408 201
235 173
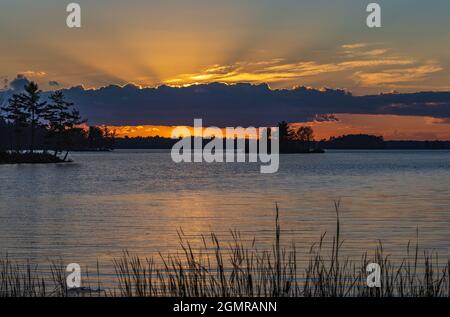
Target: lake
105 203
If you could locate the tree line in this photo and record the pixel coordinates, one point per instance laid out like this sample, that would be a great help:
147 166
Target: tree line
29 124
300 140
292 140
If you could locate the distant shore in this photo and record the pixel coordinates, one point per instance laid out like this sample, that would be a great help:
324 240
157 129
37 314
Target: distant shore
359 142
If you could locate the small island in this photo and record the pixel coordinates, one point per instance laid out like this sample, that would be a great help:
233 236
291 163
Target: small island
29 158
33 131
297 141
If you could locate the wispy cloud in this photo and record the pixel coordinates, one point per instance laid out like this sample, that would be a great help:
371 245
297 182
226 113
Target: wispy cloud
270 72
32 73
363 64
399 75
439 121
354 46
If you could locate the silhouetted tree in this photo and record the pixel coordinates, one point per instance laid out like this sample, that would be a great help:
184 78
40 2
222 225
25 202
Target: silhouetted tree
16 114
305 135
95 136
285 133
355 141
63 121
109 138
100 138
32 105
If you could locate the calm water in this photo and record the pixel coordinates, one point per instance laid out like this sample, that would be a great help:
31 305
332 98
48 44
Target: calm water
108 202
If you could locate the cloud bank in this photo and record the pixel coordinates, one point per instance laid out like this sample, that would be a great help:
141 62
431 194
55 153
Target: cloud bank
241 104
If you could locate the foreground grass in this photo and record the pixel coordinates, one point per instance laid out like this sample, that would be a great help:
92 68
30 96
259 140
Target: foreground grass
241 270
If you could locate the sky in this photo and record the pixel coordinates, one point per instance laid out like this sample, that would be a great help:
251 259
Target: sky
284 43
390 127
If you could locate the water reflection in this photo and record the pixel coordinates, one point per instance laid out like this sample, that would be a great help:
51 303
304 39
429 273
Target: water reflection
136 200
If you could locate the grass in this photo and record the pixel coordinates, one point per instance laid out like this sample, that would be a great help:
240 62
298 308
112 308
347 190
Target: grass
240 269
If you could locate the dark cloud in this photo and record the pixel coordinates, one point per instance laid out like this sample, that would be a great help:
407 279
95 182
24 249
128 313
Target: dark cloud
5 83
242 104
325 118
53 83
18 83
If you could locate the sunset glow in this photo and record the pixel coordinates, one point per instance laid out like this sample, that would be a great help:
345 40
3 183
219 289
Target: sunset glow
185 42
284 44
391 127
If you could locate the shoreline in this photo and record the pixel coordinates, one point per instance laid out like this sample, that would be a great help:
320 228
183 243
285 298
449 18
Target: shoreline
30 158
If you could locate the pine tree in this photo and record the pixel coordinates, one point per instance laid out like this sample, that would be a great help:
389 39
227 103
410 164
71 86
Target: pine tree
35 109
285 132
62 120
17 115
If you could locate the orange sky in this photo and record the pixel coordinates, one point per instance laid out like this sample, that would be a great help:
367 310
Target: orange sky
158 130
391 127
284 43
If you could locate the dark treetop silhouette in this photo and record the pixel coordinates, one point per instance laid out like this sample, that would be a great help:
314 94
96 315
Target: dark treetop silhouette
29 123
